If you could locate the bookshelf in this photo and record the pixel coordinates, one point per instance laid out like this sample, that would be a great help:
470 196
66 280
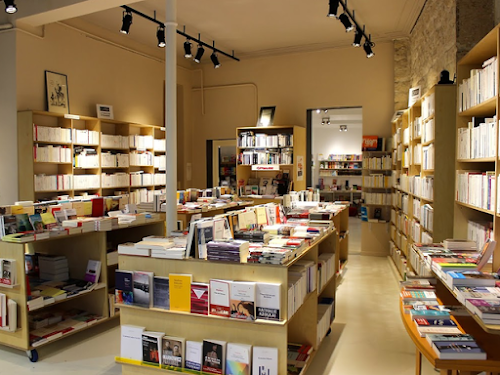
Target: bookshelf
301 327
476 207
78 249
264 152
88 156
377 197
422 199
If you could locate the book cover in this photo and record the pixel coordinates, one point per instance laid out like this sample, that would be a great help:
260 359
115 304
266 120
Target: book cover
213 356
242 300
31 264
219 298
23 223
180 292
161 293
124 287
131 342
238 357
422 322
268 301
199 298
151 347
484 308
142 288
93 271
194 355
416 294
173 351
449 337
36 223
48 220
8 268
205 235
264 361
9 224
458 350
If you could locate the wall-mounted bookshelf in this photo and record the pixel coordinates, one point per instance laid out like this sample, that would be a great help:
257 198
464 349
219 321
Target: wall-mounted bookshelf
88 156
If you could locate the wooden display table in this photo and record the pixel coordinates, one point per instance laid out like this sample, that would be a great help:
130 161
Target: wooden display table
185 215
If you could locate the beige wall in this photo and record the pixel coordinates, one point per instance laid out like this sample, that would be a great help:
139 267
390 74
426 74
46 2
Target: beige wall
293 83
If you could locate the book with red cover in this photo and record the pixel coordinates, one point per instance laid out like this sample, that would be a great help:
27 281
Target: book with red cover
98 207
199 298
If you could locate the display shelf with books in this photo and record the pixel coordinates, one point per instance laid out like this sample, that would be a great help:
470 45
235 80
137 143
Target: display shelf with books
80 256
71 155
477 139
297 323
274 154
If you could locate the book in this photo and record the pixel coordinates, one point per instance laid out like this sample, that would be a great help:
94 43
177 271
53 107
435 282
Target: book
219 298
93 271
264 361
124 289
458 350
434 326
470 278
419 295
131 342
199 298
151 346
268 301
213 356
205 235
242 300
459 337
430 312
161 292
194 355
173 351
486 309
180 292
36 222
142 282
23 223
238 359
8 271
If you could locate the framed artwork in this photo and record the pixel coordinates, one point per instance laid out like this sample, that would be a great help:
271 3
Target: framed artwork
105 111
266 116
56 85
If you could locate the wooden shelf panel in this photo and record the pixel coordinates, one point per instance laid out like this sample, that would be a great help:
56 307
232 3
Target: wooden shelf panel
475 208
485 108
477 160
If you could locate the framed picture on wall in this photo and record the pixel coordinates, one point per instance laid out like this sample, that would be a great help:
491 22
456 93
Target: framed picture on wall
266 116
105 111
56 87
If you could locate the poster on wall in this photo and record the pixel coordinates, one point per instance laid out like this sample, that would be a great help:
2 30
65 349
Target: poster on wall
105 111
56 85
300 168
414 95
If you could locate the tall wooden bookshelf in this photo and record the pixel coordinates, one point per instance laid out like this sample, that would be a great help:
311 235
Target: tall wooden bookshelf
296 169
110 137
484 105
423 200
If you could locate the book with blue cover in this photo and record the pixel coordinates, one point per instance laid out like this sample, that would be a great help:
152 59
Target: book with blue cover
124 287
429 313
458 350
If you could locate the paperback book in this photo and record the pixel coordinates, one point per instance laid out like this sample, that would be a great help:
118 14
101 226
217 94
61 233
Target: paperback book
219 298
213 356
242 299
142 282
124 287
194 355
268 301
151 347
161 293
199 298
180 292
173 351
238 359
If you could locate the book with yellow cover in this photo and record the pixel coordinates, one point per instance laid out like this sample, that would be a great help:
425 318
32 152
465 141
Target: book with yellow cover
180 292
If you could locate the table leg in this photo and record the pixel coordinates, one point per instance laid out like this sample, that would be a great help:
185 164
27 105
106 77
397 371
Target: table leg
445 372
418 364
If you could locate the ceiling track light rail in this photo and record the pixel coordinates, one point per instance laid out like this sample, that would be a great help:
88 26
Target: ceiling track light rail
183 33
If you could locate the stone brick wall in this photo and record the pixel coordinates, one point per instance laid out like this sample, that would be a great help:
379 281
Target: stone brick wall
402 73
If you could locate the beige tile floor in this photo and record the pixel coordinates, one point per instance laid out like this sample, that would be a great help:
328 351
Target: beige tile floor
367 336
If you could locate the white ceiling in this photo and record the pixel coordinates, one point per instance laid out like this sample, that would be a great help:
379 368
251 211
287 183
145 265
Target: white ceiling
351 116
260 27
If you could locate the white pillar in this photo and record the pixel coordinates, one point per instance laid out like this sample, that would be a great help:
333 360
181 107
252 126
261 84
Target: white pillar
171 112
8 118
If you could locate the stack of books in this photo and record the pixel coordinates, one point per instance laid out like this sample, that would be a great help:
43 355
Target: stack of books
455 346
230 251
53 267
486 309
252 236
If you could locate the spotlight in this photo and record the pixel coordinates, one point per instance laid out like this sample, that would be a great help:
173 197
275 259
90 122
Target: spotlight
10 7
199 53
215 60
326 110
357 37
334 6
318 110
344 18
160 34
325 121
343 128
126 22
187 49
368 49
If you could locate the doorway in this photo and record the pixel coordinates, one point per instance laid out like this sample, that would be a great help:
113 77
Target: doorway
221 163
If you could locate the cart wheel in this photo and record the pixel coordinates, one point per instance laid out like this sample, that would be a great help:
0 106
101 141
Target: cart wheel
32 355
329 331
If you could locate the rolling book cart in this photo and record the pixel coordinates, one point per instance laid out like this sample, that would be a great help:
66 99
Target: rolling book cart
78 249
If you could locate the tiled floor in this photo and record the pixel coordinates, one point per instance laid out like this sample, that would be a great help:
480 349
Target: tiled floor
367 336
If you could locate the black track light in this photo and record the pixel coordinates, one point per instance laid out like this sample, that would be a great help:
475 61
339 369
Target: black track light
10 7
160 34
187 49
368 48
344 18
333 9
357 37
215 60
126 22
199 53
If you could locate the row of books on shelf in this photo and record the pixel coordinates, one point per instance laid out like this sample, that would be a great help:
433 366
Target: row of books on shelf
209 356
252 139
383 162
200 195
269 156
434 322
476 188
427 217
428 157
478 139
134 141
428 106
383 199
62 322
328 164
481 86
93 181
340 157
377 180
8 313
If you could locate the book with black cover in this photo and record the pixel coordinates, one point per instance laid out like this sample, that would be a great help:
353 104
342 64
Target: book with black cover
213 356
161 293
124 287
142 282
151 346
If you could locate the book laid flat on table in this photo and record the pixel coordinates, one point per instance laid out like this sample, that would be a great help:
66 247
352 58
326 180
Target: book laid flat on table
194 355
464 293
419 295
124 287
238 359
214 356
487 309
173 351
471 278
433 326
458 350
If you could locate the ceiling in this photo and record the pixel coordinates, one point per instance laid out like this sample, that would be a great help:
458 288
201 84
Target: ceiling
350 116
261 27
